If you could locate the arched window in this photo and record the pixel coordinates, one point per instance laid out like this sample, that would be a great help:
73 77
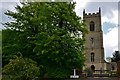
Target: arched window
93 67
92 57
92 26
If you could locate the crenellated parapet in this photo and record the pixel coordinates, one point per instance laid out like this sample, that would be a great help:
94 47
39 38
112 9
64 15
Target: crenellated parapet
97 14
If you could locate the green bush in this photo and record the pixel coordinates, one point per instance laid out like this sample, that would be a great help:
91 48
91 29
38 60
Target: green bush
20 69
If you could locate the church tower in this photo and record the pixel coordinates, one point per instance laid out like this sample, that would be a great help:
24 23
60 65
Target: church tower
94 50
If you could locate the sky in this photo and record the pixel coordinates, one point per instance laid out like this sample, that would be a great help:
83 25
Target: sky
109 18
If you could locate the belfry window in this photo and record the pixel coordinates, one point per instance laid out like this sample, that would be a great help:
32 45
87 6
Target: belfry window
92 57
92 26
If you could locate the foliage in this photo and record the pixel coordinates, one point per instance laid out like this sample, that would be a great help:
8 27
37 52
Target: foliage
49 33
116 56
21 69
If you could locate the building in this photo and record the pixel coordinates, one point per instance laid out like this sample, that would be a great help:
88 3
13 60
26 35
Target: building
94 50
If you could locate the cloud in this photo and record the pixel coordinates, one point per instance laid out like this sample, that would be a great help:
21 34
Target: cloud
9 1
110 41
3 8
105 0
109 13
107 26
80 5
111 17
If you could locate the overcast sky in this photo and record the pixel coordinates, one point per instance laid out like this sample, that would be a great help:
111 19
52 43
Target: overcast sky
109 21
109 18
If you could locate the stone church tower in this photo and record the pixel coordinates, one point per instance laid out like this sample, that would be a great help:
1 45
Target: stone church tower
94 50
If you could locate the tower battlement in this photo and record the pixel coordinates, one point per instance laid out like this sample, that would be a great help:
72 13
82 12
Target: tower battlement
92 14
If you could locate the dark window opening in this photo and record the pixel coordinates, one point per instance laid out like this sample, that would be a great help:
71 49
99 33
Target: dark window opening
92 57
92 26
113 68
93 67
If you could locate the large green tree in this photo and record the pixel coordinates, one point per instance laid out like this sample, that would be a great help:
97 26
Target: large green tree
49 33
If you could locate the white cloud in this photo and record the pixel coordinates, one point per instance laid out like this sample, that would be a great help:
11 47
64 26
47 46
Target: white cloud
9 0
105 0
119 38
110 41
4 6
111 17
80 5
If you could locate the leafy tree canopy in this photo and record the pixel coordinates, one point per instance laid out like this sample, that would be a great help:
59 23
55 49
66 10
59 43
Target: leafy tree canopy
49 33
116 56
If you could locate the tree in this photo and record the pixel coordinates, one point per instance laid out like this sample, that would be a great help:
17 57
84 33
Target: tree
116 58
20 68
49 33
